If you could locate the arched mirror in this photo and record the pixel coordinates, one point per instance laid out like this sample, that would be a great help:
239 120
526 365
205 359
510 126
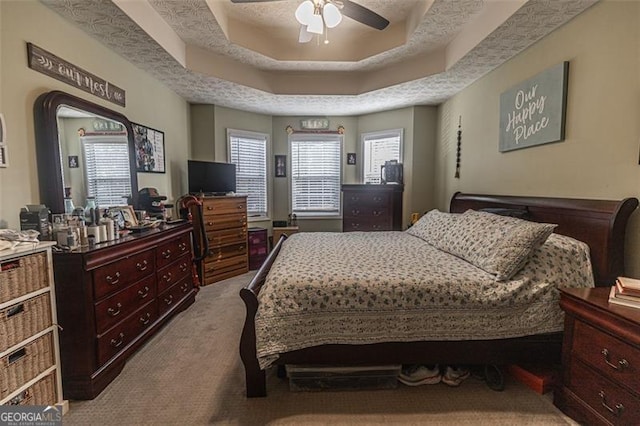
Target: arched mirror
83 150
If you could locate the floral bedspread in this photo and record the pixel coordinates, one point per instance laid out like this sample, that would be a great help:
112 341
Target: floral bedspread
371 287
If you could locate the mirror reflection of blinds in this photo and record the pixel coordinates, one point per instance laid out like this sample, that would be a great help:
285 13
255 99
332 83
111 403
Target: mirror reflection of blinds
106 167
378 148
249 154
315 175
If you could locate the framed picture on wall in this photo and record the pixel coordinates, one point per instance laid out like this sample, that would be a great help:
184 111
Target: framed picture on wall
149 145
281 166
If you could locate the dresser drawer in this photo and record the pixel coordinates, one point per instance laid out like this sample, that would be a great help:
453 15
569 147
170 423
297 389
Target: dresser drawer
227 236
609 400
173 295
118 275
224 252
25 363
225 221
170 251
173 273
218 206
607 354
117 338
225 265
23 275
365 199
366 224
380 212
119 305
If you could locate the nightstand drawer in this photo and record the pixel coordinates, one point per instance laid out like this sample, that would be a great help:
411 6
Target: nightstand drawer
607 354
610 401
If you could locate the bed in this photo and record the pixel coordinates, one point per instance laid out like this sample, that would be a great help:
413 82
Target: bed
599 225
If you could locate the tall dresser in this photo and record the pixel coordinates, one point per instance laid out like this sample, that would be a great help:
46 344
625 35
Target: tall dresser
29 349
225 223
112 298
372 207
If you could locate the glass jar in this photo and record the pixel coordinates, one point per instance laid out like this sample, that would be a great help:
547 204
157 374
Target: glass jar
90 211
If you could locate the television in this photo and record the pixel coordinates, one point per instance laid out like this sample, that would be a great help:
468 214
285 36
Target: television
211 178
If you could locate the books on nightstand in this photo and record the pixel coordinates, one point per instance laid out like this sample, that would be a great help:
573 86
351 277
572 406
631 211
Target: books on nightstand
626 292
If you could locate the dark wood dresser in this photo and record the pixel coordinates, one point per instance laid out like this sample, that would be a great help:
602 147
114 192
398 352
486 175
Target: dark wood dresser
600 359
225 223
114 297
372 207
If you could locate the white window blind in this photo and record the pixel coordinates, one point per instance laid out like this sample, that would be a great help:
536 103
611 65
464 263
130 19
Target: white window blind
248 151
106 168
315 174
378 148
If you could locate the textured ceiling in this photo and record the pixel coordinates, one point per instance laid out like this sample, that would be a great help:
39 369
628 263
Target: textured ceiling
208 27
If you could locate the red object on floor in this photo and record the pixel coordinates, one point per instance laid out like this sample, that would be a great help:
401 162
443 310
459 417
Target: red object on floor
540 378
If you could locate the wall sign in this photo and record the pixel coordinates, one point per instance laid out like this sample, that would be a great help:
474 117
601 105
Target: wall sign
314 124
533 112
49 64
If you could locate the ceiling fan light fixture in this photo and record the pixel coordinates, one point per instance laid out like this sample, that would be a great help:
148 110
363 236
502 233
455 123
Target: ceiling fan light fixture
305 36
332 15
304 12
316 25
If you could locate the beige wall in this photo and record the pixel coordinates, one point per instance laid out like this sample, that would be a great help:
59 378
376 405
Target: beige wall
599 157
148 101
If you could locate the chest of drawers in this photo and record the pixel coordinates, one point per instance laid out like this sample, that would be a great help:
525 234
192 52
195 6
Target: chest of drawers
600 359
258 247
371 208
113 298
29 349
225 223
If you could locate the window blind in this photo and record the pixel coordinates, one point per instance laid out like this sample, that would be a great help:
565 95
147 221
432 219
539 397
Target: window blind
107 172
249 153
378 148
315 175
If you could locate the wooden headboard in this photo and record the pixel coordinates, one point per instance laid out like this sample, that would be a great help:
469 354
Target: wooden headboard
599 223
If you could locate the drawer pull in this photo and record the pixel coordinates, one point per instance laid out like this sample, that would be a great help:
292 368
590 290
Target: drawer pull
145 319
115 312
182 246
168 300
184 267
240 248
377 199
209 208
355 212
377 213
143 292
166 254
15 310
113 280
167 277
142 266
17 355
117 343
617 411
209 223
240 206
184 287
622 364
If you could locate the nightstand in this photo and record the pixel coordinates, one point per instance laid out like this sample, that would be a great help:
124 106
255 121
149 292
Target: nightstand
600 359
278 232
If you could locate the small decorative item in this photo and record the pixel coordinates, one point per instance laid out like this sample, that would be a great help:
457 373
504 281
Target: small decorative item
281 166
3 142
124 216
73 161
459 145
149 144
289 129
351 158
341 129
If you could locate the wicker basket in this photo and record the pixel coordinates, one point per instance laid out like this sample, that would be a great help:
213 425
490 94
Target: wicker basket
24 364
22 320
43 392
23 275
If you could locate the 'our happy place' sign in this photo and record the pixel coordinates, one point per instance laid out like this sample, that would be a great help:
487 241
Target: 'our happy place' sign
533 112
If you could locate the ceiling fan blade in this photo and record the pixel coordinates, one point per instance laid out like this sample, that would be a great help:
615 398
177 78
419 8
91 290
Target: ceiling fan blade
252 1
305 36
362 15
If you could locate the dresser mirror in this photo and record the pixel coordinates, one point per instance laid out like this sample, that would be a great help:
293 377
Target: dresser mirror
83 150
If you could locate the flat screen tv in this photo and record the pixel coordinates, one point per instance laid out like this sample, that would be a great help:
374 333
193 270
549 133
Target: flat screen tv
211 178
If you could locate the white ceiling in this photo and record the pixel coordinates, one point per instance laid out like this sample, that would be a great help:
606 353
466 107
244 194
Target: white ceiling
246 56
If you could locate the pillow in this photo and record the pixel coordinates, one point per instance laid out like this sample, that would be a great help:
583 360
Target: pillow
433 226
499 245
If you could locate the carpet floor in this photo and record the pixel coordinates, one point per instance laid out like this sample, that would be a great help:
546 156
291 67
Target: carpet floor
190 373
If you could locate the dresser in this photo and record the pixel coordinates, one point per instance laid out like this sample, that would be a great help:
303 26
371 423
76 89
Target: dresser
112 298
225 224
258 247
29 347
600 359
372 207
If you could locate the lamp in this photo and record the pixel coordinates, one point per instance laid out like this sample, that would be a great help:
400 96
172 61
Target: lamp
314 16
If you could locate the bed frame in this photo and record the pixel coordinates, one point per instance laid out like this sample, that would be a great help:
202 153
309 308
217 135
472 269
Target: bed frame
599 223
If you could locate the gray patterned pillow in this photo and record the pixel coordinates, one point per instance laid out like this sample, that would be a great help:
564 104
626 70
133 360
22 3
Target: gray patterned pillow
499 245
433 226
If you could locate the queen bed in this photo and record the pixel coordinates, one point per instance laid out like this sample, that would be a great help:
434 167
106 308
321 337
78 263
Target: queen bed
432 294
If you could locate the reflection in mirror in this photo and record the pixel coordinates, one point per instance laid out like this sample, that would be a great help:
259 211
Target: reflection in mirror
84 150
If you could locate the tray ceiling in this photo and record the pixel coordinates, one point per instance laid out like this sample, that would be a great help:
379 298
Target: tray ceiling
246 56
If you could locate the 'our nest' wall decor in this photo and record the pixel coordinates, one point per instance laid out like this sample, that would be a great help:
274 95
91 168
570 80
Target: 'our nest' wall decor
533 112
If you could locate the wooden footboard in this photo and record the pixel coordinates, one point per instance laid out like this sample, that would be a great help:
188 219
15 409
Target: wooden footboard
255 377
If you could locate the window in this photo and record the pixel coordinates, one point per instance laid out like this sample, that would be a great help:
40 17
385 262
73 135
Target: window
315 174
248 151
379 147
107 170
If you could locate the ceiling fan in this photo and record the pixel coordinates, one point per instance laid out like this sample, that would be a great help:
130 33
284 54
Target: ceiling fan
315 16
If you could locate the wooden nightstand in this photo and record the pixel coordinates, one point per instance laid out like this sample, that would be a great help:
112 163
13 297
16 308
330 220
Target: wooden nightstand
286 230
600 359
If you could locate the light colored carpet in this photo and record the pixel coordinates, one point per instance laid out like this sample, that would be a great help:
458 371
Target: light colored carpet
190 373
